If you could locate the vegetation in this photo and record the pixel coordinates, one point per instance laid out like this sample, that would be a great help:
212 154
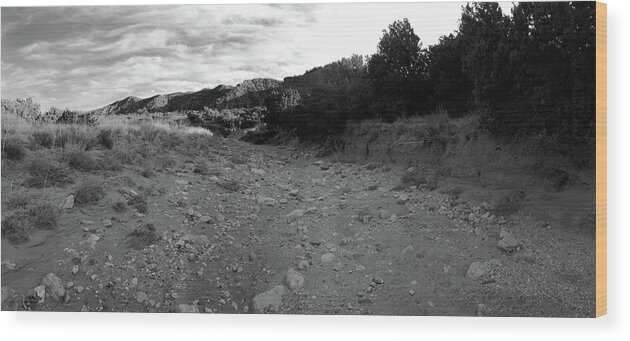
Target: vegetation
88 193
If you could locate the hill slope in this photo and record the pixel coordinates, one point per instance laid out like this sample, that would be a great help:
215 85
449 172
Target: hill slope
249 93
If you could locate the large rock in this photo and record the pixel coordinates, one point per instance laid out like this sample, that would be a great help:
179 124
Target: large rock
67 203
54 286
269 301
294 279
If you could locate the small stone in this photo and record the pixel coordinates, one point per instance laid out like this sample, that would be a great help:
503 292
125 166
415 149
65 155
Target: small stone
294 192
205 219
328 257
69 285
141 296
38 293
75 269
9 264
303 265
482 310
402 199
311 209
393 218
107 223
79 289
92 239
294 279
412 292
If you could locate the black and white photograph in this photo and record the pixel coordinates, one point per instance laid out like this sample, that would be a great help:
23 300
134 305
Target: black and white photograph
401 159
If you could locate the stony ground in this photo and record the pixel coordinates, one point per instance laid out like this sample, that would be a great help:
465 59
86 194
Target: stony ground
273 229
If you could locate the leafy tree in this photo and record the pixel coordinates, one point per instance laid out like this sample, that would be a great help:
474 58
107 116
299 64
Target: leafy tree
398 69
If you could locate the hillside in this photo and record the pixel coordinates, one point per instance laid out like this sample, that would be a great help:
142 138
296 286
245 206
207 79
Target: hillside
246 94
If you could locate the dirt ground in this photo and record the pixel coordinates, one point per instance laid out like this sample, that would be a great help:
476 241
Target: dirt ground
275 229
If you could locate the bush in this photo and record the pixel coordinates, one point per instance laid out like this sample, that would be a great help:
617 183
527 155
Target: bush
81 160
43 138
105 138
142 237
45 173
44 216
74 137
88 193
15 228
138 203
110 162
13 148
17 201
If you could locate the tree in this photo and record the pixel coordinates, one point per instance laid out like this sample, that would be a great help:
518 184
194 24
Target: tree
398 69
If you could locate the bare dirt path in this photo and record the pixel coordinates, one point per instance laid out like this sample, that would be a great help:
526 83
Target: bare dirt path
272 229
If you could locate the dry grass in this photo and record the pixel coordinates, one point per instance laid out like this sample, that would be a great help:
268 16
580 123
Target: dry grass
80 160
44 216
46 173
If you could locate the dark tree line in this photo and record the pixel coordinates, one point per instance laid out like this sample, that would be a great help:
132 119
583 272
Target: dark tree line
531 72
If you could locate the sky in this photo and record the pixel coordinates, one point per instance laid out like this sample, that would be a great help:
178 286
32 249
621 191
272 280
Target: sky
84 57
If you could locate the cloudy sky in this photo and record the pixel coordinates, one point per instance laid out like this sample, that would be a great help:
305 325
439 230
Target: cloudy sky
87 57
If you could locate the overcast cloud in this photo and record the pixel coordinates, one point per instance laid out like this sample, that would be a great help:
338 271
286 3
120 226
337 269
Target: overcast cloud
87 57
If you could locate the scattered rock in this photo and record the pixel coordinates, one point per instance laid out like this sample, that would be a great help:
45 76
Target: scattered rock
54 286
198 239
141 296
402 199
508 242
9 264
294 279
205 219
36 294
480 269
294 192
295 215
79 289
92 239
75 269
303 265
107 223
187 308
269 300
328 257
258 171
268 201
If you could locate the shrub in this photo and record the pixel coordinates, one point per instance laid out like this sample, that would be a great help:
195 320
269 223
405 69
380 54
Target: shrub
411 178
43 138
138 203
44 216
110 162
45 173
15 228
81 160
13 148
18 201
74 137
88 193
147 170
142 237
105 138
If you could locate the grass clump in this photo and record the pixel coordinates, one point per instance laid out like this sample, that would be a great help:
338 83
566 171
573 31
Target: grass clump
15 228
139 203
88 193
13 148
43 138
105 138
509 204
81 160
142 237
45 173
17 201
44 216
